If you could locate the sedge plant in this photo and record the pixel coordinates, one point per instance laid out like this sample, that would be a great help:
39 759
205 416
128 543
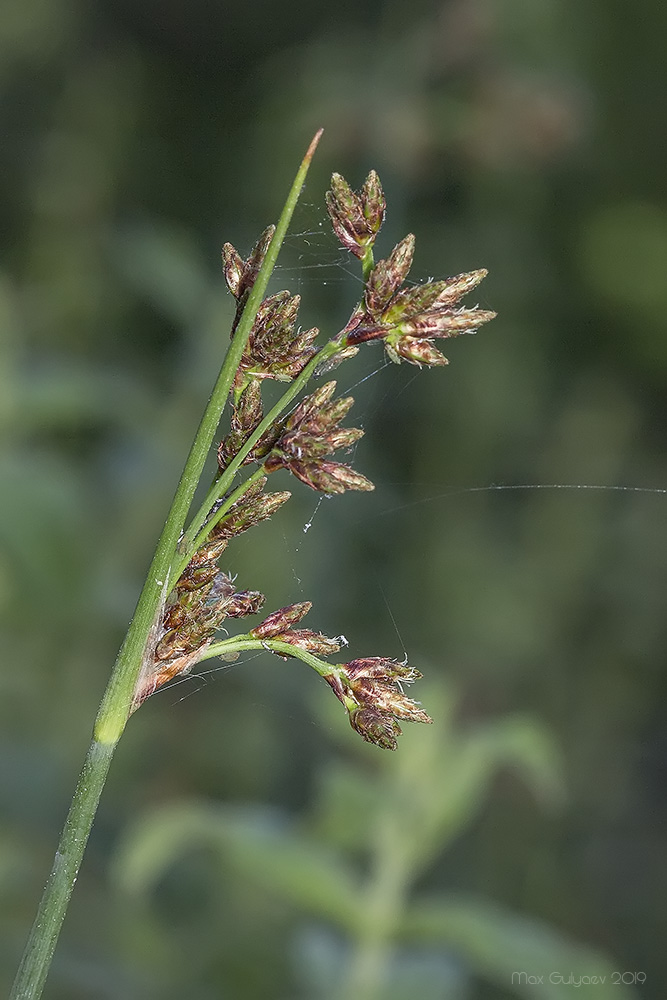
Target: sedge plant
187 596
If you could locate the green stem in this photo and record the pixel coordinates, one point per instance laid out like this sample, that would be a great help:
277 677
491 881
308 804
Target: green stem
199 528
239 643
367 264
38 953
117 700
383 900
385 891
115 708
178 567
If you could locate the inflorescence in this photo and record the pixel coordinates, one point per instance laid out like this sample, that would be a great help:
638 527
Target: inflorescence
407 319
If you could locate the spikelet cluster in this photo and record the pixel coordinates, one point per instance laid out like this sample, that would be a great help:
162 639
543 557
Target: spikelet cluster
407 319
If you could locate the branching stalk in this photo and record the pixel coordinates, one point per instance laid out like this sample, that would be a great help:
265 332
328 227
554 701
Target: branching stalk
115 708
241 643
187 596
116 703
200 525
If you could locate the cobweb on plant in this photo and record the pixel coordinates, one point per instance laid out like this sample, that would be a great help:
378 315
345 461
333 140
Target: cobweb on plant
318 261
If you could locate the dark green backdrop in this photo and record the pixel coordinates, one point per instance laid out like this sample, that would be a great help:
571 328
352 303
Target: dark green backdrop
526 136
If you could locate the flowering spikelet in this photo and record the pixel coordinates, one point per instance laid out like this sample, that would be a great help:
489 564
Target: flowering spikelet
407 320
240 275
275 349
336 359
199 603
310 641
309 434
250 509
247 413
387 277
279 627
203 596
371 690
281 620
356 216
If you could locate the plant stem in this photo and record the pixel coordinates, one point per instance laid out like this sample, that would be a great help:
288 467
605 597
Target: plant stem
38 953
367 264
117 700
383 900
200 527
179 566
239 643
383 897
115 708
385 891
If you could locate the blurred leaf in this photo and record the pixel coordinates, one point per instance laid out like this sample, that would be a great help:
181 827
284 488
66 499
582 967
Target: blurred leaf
256 844
424 973
461 779
499 944
319 956
443 774
526 745
348 804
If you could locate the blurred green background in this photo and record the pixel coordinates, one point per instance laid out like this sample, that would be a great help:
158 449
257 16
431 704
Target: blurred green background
248 844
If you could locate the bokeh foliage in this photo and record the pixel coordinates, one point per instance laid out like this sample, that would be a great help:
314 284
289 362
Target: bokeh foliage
518 135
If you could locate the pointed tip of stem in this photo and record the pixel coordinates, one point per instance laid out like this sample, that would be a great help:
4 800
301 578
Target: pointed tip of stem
310 152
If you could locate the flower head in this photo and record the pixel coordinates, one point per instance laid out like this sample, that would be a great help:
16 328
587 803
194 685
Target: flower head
371 690
279 627
204 596
408 319
240 275
247 413
309 434
356 216
202 599
276 349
